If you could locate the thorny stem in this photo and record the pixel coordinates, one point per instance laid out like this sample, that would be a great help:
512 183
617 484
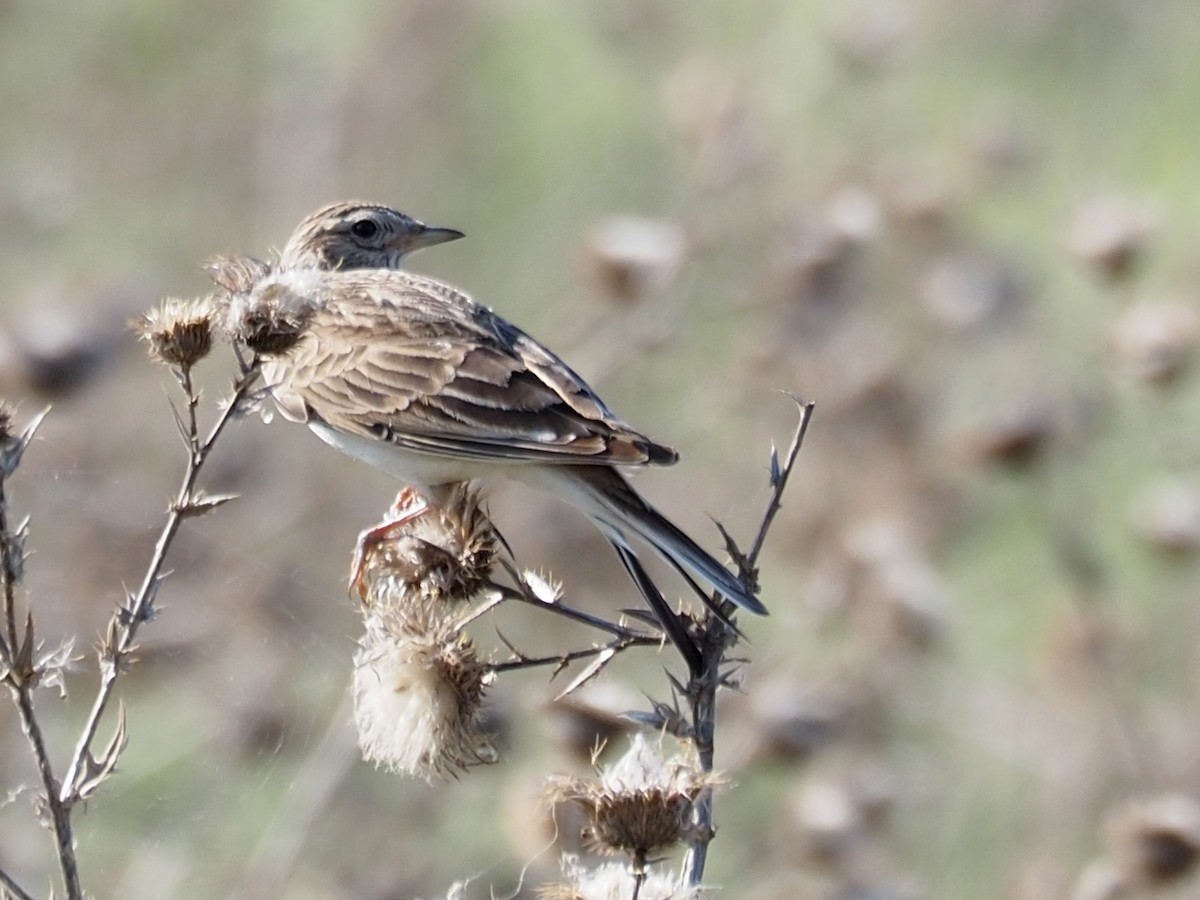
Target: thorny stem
126 621
779 483
714 637
9 885
562 660
614 628
60 814
21 681
8 646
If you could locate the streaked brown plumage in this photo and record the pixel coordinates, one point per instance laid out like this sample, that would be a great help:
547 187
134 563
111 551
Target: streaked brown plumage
415 378
358 235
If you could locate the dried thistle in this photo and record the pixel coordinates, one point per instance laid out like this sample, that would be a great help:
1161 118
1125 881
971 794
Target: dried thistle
418 696
178 331
1112 234
423 555
616 881
1156 843
642 803
271 318
634 257
1153 342
236 274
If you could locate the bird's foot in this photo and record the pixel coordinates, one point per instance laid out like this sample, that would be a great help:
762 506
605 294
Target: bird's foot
409 505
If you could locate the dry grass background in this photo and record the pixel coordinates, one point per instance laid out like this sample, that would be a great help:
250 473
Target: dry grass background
969 231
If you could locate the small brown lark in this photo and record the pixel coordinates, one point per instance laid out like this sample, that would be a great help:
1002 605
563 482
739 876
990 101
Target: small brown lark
412 376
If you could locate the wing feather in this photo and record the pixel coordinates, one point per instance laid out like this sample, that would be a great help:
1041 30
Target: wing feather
397 356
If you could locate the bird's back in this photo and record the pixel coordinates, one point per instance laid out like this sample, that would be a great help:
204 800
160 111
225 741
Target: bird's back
395 355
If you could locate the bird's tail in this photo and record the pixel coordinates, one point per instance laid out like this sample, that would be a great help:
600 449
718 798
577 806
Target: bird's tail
605 495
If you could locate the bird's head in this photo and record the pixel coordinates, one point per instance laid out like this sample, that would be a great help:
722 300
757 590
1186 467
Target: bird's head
359 236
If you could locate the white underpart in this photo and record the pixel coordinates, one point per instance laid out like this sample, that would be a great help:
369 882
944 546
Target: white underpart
422 471
427 471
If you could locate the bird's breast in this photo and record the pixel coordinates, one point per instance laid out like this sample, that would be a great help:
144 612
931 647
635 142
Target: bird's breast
421 470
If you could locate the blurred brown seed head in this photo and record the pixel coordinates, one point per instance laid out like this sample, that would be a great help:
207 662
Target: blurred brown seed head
855 214
633 257
967 291
1156 843
64 337
1153 342
916 194
1112 234
828 819
1016 436
871 35
1167 514
1005 143
179 332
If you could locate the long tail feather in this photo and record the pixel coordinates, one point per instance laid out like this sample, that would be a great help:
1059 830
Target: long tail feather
618 510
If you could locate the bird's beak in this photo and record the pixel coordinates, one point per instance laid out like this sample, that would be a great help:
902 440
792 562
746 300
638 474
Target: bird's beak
426 236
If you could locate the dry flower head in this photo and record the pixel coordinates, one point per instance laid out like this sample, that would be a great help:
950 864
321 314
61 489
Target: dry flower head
1153 342
1112 233
1156 843
632 257
641 804
425 555
418 693
178 331
272 317
236 274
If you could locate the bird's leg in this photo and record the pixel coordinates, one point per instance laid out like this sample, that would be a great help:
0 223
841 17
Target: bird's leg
409 504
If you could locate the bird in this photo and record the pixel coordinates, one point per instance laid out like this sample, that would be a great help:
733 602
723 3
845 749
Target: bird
412 376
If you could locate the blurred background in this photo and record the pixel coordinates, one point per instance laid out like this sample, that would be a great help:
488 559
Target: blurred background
970 231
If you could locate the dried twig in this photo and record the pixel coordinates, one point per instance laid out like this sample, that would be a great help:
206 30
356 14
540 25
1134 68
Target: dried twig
118 642
561 660
713 639
21 671
11 888
523 595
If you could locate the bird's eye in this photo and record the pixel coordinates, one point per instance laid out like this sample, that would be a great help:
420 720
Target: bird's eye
365 229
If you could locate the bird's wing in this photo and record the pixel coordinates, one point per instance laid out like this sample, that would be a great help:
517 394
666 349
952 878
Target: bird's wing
410 360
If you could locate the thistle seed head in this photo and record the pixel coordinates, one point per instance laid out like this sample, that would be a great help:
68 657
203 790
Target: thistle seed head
271 317
429 556
1156 843
642 804
236 274
179 332
418 697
